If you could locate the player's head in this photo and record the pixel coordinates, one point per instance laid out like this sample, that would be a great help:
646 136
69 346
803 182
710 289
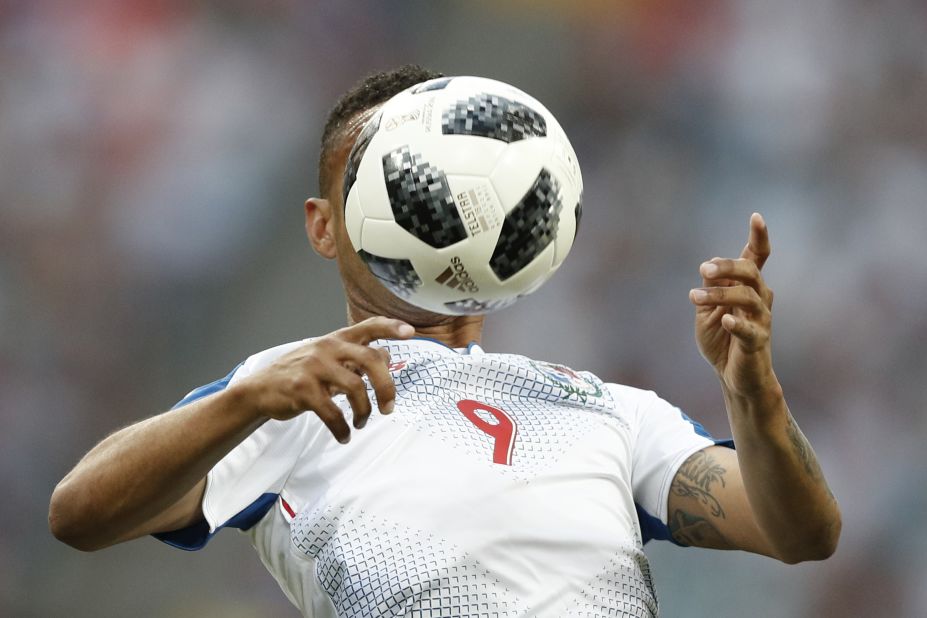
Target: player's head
325 215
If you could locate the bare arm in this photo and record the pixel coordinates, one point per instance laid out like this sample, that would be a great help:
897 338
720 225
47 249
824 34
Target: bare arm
711 505
770 497
150 476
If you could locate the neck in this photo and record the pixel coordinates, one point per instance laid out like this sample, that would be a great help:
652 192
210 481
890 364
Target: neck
455 331
458 333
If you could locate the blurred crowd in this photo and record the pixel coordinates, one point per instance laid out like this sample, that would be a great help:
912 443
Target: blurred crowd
154 157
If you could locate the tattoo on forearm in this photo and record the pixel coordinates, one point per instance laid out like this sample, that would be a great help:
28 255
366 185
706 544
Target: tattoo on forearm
806 455
803 450
695 479
690 529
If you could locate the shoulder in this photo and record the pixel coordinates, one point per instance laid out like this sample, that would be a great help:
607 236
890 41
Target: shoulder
253 363
639 406
630 396
265 358
586 385
646 405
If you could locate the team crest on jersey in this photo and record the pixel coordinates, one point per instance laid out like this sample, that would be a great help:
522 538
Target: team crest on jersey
572 382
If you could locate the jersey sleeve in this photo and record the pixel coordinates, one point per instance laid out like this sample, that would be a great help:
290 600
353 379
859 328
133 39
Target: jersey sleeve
246 483
664 438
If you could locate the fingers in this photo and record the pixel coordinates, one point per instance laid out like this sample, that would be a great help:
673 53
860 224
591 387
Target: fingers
734 297
757 249
331 415
372 329
744 330
355 361
352 385
741 311
723 272
375 364
310 376
734 304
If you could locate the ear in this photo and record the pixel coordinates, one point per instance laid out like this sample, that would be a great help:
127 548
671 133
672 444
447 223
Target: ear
320 227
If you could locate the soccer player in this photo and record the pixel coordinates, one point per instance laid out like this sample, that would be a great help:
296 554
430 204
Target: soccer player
490 484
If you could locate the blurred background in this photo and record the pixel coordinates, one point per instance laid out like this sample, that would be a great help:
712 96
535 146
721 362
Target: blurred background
155 155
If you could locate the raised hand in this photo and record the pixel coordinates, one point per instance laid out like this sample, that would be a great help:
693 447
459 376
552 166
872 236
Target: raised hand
733 316
307 378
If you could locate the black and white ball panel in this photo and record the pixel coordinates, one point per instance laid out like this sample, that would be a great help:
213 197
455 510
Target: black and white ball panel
470 306
493 116
477 156
357 153
354 219
516 178
420 198
577 215
439 83
398 275
481 213
564 166
529 227
473 156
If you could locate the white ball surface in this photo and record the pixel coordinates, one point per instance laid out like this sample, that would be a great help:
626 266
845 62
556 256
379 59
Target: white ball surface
462 194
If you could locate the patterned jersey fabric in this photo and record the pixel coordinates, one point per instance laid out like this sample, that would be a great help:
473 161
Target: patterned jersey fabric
500 486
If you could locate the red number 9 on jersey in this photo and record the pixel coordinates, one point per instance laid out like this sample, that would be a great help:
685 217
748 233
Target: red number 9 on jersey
502 431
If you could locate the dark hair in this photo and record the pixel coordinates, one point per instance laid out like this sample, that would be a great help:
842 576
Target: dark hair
372 90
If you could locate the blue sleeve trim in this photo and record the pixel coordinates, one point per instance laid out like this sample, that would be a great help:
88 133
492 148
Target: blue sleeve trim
190 538
195 537
252 514
700 430
652 527
208 389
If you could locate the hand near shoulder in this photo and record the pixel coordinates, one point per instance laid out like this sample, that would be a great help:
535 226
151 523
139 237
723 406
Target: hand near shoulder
150 477
307 378
733 317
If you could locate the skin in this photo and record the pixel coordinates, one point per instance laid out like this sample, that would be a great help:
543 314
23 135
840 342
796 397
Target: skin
150 477
769 496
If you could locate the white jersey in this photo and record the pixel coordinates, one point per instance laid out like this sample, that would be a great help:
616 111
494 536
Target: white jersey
499 486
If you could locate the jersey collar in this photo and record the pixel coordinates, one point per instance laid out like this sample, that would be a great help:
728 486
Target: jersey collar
473 347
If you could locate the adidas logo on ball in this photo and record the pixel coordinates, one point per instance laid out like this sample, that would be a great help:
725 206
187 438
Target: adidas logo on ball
455 276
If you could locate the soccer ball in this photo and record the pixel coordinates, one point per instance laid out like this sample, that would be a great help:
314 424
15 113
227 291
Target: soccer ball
462 194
